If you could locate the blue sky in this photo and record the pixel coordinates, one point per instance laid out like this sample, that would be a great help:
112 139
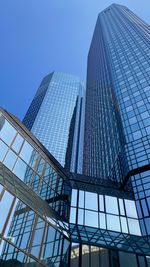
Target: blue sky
39 36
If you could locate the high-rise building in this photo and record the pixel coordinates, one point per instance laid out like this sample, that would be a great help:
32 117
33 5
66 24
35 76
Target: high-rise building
100 218
117 98
56 118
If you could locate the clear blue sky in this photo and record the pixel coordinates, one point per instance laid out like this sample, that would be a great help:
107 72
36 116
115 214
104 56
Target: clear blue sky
39 36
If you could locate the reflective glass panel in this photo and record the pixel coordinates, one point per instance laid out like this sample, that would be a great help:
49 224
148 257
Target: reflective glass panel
121 207
10 159
3 150
21 169
113 223
124 226
74 197
102 220
111 205
73 215
5 205
81 199
26 152
80 216
91 201
101 202
134 227
91 218
17 143
7 131
130 208
85 256
74 255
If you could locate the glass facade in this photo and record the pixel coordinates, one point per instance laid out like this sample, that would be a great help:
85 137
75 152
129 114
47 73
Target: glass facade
49 220
51 217
56 118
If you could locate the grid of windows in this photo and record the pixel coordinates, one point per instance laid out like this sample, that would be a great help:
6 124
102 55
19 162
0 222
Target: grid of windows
57 116
104 212
28 165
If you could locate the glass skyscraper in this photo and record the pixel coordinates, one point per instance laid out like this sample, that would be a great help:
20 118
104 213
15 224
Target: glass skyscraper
56 118
118 105
58 214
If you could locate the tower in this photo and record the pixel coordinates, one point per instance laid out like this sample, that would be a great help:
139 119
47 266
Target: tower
56 118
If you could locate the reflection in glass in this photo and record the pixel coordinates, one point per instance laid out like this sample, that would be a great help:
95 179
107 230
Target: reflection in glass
113 223
80 216
20 169
81 199
91 218
127 259
124 226
134 227
121 206
74 197
94 256
7 131
74 262
10 159
17 143
130 208
111 205
102 220
26 152
3 150
85 256
101 202
73 215
5 205
91 201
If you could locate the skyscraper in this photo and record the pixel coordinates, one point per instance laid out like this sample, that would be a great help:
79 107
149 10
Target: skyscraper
117 99
56 118
100 218
117 124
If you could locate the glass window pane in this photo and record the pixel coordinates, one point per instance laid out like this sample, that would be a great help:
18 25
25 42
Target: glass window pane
111 205
121 207
74 197
73 215
81 199
94 256
113 223
91 218
102 220
130 208
5 205
17 143
80 216
134 227
21 169
141 261
10 159
7 131
148 261
127 259
104 258
91 201
85 256
3 150
26 152
74 255
101 202
124 226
